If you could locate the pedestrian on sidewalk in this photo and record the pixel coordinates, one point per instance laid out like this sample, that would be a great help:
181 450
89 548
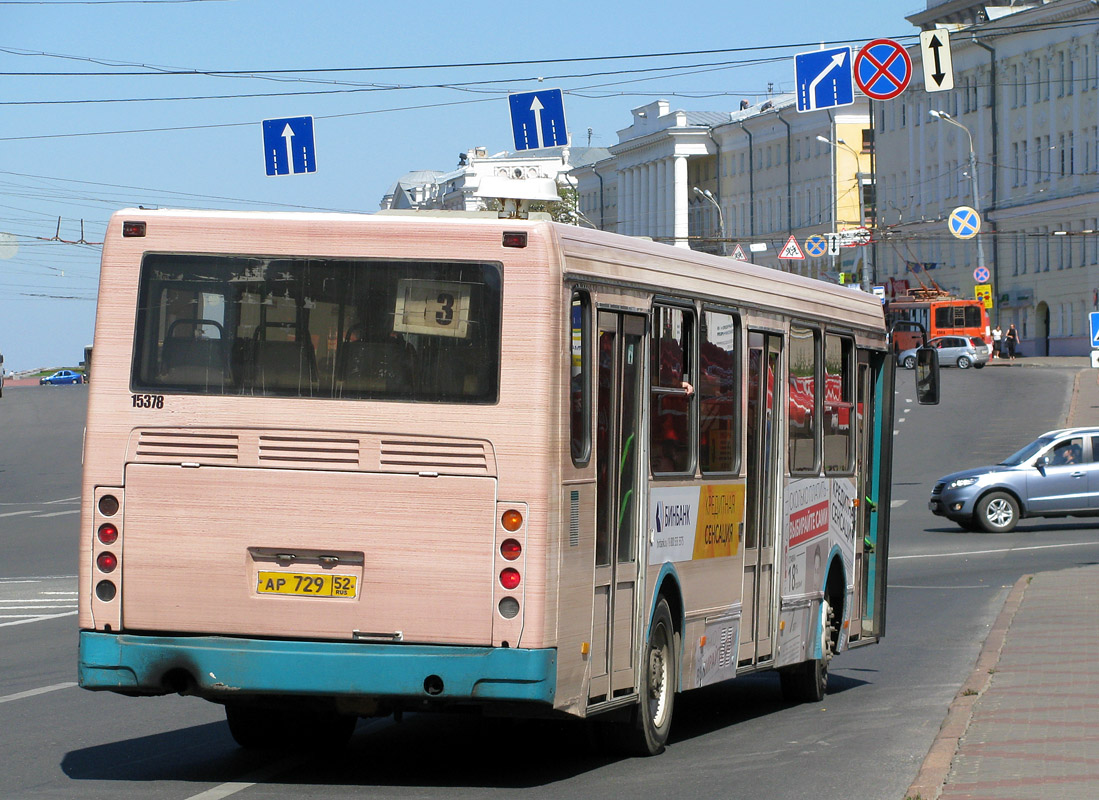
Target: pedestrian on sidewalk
997 336
1012 339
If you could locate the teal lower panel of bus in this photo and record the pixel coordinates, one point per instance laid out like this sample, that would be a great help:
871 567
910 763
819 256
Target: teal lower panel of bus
222 666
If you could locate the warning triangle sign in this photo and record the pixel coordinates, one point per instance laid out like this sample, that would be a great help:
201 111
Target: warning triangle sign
792 250
738 253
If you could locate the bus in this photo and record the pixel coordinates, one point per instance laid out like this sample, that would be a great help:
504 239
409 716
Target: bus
341 466
941 314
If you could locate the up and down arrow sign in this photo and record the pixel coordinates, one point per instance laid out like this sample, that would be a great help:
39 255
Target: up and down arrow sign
938 71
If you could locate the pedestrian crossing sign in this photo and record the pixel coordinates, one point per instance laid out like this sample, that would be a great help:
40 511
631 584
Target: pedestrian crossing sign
1093 317
792 250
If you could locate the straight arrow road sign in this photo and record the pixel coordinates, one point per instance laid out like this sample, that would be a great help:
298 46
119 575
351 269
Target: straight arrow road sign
288 146
938 69
538 119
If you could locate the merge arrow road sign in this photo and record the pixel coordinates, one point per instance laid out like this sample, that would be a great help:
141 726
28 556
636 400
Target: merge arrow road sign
538 119
288 146
823 79
938 70
883 69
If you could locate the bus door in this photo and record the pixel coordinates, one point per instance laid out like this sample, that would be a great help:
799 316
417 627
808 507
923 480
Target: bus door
868 612
619 517
764 460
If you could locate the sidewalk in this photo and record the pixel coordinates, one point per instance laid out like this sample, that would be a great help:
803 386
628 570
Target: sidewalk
1025 724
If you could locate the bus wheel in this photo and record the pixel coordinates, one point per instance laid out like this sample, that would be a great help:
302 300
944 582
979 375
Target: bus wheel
808 682
652 718
259 728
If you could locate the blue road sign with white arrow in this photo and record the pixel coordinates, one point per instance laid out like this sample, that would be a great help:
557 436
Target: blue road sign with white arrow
288 146
1093 317
538 119
824 79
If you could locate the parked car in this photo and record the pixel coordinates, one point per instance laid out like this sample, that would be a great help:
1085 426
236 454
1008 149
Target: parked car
1056 475
61 376
961 351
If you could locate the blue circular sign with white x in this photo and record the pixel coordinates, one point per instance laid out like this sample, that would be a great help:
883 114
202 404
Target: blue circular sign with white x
816 245
883 69
981 275
964 222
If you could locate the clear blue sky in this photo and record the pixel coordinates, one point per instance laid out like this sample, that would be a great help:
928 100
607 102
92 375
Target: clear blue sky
368 133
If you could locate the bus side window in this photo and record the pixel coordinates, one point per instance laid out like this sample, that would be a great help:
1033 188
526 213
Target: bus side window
580 378
672 392
802 403
839 387
718 393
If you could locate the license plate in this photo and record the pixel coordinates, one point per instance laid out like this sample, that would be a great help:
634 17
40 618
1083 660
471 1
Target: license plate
306 585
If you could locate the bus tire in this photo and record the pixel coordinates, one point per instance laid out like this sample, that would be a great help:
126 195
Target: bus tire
808 682
651 722
260 728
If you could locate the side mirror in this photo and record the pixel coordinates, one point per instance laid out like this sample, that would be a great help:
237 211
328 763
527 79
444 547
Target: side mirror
927 376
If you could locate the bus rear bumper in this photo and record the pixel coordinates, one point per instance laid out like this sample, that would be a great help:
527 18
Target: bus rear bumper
220 667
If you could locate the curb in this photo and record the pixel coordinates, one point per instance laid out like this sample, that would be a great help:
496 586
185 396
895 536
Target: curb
935 768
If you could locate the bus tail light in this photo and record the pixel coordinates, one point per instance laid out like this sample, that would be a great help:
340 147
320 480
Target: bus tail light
107 534
509 587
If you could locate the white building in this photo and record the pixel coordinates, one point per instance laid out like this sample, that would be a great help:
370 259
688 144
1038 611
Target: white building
763 166
457 189
1026 87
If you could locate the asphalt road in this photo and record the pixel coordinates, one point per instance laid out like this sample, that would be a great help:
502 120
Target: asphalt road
738 740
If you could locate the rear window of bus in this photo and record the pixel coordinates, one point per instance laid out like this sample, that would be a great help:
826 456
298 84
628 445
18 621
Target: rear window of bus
318 327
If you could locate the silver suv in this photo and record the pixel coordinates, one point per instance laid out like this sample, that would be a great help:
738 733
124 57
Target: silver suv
1056 475
961 351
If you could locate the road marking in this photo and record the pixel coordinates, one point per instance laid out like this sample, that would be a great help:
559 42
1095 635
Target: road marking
250 780
901 586
897 503
34 692
17 513
42 618
57 514
993 552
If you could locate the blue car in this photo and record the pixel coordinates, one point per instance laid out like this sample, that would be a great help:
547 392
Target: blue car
61 376
1056 475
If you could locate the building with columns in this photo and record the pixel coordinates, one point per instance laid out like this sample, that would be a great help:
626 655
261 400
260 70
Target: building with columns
756 176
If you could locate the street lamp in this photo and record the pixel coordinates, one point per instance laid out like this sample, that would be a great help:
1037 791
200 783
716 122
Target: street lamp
944 117
865 277
706 194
